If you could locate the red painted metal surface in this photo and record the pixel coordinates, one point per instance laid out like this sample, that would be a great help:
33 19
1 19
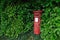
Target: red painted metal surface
37 21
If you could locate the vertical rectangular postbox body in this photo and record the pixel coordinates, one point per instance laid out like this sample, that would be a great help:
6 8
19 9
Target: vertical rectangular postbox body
37 21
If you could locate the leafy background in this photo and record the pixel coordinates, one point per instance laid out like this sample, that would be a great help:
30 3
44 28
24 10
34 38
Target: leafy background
16 19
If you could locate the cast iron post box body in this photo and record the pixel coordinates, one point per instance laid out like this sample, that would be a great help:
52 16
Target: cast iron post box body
37 21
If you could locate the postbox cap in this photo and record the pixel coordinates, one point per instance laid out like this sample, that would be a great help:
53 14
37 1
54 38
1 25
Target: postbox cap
38 11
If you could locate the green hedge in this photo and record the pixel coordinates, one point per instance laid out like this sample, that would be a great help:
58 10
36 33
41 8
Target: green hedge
16 17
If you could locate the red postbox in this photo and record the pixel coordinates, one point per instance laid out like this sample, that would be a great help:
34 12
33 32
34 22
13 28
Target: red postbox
37 21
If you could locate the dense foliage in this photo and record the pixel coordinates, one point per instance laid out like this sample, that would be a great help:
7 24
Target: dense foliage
16 17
